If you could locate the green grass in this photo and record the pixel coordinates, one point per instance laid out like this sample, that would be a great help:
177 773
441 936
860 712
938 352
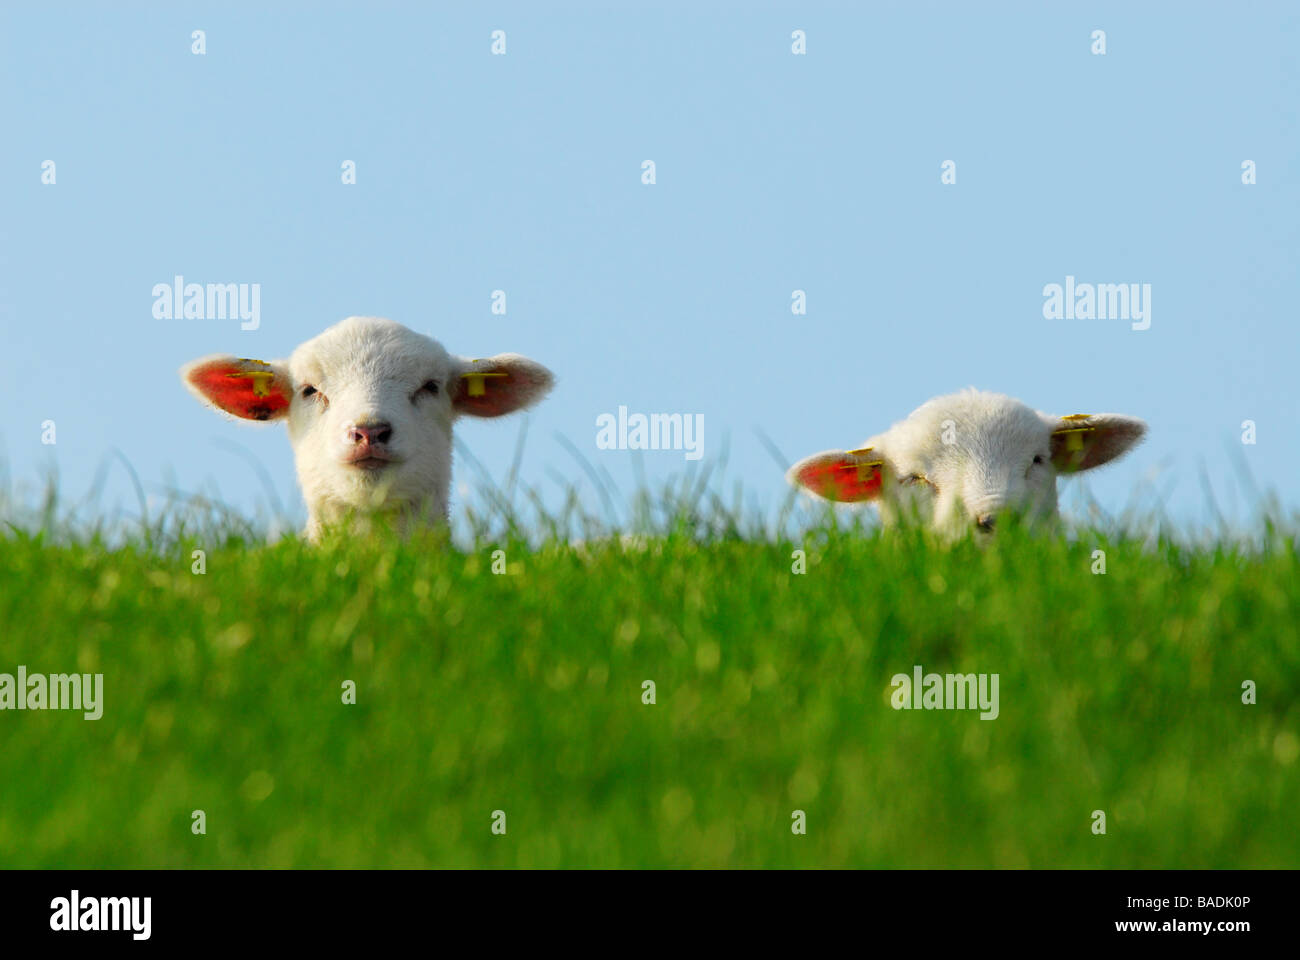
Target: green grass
523 693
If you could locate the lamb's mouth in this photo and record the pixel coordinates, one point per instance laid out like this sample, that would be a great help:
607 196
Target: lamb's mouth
371 462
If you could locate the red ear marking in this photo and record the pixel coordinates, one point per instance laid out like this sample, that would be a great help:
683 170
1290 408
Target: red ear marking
844 478
249 389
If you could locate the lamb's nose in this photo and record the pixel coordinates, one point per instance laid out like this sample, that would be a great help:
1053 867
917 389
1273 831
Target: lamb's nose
986 522
370 434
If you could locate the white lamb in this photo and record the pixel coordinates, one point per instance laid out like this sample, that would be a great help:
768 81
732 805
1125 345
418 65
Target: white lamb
959 461
369 406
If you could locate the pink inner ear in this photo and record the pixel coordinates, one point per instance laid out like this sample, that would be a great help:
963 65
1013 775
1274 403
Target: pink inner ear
245 388
493 395
493 401
845 479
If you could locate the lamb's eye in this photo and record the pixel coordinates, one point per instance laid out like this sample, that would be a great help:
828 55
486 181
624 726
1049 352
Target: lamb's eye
308 392
917 478
430 387
1038 458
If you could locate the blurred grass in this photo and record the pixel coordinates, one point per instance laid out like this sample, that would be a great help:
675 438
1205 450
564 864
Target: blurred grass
522 692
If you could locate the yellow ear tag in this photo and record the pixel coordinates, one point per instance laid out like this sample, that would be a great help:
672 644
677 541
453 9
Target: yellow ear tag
1074 436
475 385
865 467
261 380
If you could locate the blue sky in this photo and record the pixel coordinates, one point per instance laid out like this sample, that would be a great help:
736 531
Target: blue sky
775 173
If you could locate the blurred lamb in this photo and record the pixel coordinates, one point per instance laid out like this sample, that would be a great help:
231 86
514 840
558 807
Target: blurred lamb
370 406
959 461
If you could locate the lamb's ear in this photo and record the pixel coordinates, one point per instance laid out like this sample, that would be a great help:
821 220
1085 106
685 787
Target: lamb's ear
498 385
249 389
843 475
1082 441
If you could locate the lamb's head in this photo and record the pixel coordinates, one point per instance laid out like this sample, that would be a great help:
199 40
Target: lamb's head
958 462
369 405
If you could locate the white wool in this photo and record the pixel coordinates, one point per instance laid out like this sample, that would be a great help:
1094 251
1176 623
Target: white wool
369 372
959 461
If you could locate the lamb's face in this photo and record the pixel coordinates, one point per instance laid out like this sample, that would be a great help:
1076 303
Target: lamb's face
960 462
960 465
369 406
370 418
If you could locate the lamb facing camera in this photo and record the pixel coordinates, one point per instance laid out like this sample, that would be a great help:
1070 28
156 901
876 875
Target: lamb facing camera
959 462
369 405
